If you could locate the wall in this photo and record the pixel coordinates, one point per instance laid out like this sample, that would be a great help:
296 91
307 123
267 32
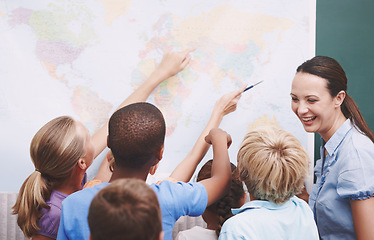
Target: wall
344 31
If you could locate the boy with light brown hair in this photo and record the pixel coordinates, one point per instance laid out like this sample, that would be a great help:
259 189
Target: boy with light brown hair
273 165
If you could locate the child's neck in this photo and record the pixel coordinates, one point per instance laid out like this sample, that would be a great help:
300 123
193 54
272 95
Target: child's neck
120 173
71 184
211 219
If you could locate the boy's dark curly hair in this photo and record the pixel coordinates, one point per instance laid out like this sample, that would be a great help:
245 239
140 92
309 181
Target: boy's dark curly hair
136 134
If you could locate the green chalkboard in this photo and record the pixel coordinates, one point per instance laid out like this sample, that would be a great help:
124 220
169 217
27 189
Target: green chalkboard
345 31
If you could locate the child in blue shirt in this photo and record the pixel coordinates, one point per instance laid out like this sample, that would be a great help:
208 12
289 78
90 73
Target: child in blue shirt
126 209
136 138
273 165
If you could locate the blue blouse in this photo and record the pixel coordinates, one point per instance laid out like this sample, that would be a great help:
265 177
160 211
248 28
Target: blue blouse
347 172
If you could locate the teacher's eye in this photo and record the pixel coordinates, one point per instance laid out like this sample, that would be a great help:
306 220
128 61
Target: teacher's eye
312 100
294 99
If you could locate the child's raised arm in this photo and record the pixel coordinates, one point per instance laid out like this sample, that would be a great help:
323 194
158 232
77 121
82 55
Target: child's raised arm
225 105
171 64
218 184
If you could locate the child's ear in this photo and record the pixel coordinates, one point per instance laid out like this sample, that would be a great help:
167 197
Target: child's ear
82 164
153 169
160 153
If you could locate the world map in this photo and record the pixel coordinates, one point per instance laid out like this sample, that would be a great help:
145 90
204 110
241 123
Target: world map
83 58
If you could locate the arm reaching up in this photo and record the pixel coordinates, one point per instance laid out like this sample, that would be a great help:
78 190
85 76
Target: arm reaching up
225 105
171 64
218 184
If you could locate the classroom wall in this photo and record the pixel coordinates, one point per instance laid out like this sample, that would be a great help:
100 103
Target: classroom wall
344 31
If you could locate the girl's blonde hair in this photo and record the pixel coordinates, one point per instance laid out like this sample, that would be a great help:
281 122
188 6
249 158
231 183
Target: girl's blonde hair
55 150
273 164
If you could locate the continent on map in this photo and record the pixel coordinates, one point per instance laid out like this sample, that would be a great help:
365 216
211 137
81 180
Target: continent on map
92 110
61 34
263 121
115 9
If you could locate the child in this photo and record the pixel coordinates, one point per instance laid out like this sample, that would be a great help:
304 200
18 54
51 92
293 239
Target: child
127 209
273 165
216 214
136 138
61 152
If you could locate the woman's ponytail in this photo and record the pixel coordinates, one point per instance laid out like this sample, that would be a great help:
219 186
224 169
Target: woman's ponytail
351 111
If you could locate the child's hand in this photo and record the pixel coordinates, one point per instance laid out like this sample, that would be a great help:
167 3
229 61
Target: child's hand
228 102
174 62
216 134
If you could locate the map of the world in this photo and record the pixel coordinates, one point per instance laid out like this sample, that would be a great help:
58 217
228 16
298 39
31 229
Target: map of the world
83 58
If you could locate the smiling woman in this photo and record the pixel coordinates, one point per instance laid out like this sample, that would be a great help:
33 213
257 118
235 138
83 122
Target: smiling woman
317 110
341 199
323 79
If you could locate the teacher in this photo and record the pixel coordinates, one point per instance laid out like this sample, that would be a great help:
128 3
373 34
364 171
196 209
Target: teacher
341 198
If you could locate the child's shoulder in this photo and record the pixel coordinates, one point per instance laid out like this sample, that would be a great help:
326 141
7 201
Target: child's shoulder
92 183
171 184
182 193
304 206
84 194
